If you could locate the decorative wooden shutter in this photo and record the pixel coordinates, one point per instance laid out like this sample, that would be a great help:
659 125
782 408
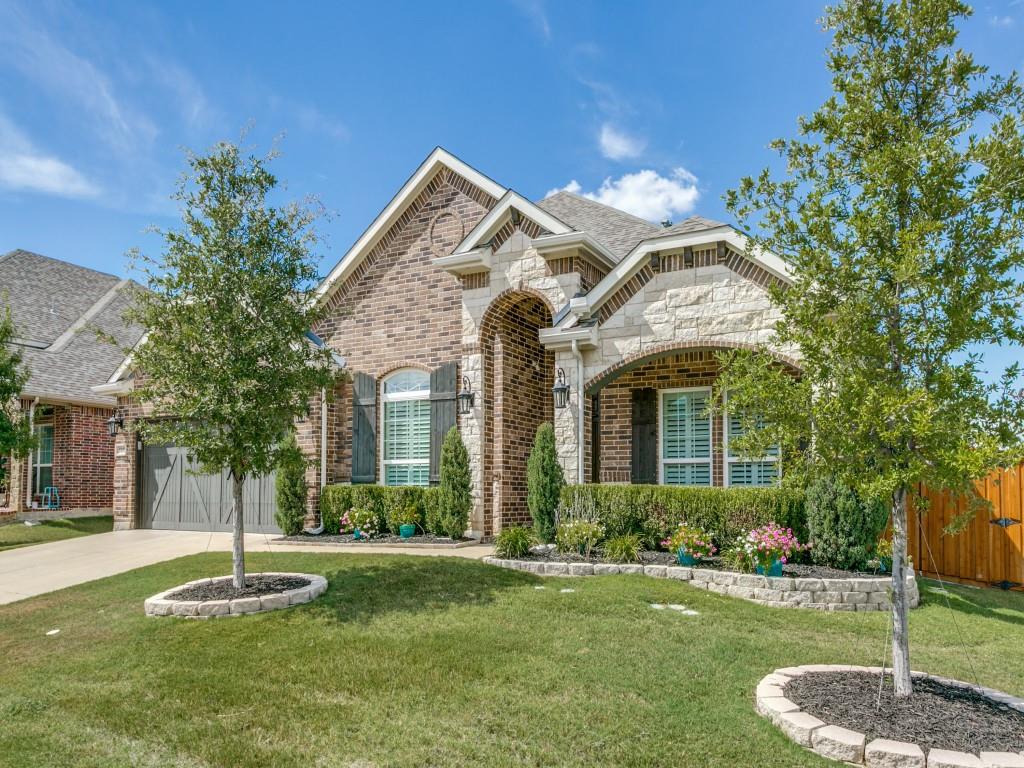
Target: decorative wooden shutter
364 429
443 385
645 436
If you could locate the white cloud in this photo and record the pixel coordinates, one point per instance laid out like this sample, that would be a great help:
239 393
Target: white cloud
646 193
23 167
1003 22
534 10
619 145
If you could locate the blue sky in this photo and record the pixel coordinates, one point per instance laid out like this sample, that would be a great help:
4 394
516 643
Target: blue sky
658 107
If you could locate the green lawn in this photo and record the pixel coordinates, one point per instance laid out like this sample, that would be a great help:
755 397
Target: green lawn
411 661
20 535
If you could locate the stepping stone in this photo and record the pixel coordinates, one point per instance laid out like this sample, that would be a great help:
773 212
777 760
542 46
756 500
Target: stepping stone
53 632
658 606
565 591
538 587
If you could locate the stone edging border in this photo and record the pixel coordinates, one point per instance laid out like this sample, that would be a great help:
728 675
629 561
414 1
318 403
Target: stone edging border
836 743
861 594
159 605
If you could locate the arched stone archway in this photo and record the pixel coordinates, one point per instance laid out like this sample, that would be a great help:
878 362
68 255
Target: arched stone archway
518 374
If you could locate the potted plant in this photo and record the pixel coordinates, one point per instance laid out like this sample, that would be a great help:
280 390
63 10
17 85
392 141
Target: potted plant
770 547
883 551
408 518
690 545
364 523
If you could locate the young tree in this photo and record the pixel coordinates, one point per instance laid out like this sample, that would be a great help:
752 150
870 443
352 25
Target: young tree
15 431
225 362
544 482
902 217
449 510
290 487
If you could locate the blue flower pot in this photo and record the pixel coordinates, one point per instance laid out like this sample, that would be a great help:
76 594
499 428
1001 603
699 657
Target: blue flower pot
407 530
685 558
885 565
357 534
774 570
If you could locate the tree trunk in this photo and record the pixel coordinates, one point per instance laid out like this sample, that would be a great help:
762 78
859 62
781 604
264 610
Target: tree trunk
900 610
238 534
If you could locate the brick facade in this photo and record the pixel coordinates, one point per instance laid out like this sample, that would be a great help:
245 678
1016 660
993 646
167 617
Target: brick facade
82 460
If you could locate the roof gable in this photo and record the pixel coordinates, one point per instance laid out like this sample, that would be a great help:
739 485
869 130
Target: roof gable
616 230
436 162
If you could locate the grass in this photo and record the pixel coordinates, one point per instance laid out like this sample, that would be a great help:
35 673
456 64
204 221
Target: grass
18 534
409 661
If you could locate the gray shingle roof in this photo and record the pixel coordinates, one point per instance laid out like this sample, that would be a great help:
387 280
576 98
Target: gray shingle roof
692 224
47 298
616 230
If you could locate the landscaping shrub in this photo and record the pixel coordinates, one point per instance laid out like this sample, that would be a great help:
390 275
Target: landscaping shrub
448 510
655 511
513 542
544 482
842 527
396 503
387 503
623 549
578 536
290 488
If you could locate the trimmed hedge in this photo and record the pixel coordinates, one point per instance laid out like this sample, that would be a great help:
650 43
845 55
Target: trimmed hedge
654 511
385 501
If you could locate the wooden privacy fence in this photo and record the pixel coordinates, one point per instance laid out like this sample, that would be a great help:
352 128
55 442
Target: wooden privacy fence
990 550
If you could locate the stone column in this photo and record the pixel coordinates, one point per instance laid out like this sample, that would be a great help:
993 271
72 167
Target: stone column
471 427
125 471
567 419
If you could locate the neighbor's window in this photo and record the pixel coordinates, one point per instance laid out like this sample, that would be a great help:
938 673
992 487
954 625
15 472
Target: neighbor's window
763 471
685 437
42 458
407 428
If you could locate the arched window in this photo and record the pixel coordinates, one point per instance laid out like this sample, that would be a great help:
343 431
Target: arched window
407 428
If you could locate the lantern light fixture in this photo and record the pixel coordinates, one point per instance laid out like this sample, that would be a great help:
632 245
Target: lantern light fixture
466 397
560 390
114 423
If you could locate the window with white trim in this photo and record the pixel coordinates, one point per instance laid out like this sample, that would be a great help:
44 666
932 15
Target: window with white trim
406 432
745 472
42 459
685 430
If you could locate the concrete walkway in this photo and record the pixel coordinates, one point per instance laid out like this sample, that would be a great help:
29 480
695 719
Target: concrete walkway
40 568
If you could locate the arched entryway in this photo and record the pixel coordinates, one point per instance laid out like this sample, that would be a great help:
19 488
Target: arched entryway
518 374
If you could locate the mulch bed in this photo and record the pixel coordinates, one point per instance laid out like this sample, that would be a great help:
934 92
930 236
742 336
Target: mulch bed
387 538
255 586
648 557
935 716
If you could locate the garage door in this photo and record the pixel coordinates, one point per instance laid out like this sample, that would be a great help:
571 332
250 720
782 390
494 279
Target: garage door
173 496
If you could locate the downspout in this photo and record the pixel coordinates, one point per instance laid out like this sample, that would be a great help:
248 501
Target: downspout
580 472
28 476
323 439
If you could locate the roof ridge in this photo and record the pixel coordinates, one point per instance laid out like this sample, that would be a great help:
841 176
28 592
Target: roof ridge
59 261
97 306
603 205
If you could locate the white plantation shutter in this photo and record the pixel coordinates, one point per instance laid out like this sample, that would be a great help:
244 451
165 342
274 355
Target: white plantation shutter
407 429
686 438
749 473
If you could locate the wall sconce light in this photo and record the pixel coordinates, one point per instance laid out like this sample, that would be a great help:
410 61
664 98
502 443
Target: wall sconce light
466 397
114 423
560 390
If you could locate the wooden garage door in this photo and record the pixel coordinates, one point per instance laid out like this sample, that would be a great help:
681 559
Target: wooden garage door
174 497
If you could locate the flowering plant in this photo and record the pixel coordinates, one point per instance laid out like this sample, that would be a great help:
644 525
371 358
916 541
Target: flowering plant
578 536
363 520
763 546
345 523
691 541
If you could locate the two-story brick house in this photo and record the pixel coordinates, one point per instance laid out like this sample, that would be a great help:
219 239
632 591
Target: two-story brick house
462 285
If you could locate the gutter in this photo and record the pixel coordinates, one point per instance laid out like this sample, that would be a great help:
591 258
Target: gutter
31 428
580 474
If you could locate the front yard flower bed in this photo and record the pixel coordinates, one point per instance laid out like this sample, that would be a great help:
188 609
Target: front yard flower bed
210 598
850 593
835 711
385 539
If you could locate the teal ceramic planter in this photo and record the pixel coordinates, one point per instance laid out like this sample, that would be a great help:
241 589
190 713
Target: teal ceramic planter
774 570
357 534
406 531
685 558
885 565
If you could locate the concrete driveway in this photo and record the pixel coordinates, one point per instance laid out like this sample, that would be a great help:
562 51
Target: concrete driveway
40 568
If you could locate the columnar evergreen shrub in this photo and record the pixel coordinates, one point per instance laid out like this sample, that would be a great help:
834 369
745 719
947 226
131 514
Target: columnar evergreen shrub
655 511
544 482
290 488
842 527
448 513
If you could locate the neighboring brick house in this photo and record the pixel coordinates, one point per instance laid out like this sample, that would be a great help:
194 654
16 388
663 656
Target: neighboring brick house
57 308
461 284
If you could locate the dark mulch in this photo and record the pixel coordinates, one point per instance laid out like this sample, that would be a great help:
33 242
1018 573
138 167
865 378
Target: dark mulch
649 557
936 716
255 586
387 538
